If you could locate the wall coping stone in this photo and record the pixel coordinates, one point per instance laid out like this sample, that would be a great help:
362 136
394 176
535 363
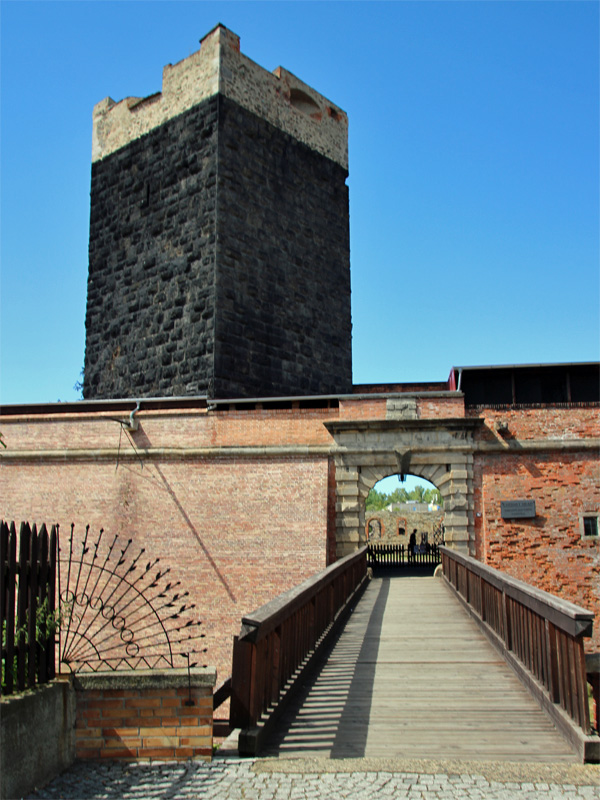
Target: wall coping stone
176 678
15 702
193 404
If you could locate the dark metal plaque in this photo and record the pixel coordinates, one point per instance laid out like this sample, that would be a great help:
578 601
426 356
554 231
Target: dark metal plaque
517 509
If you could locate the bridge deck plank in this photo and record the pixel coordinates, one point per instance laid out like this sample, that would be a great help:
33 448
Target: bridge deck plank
412 676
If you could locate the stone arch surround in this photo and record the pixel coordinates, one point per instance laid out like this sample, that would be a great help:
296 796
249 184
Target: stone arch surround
441 451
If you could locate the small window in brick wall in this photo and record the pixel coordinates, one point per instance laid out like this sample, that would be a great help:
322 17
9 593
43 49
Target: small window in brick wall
590 525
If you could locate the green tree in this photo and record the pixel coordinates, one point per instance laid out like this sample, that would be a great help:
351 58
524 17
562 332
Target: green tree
418 494
376 500
399 496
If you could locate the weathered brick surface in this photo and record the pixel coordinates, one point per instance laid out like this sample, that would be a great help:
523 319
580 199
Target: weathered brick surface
184 429
440 407
237 525
354 409
385 525
426 407
234 532
144 724
548 551
552 423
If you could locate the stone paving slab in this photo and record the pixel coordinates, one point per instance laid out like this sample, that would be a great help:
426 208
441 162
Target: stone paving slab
321 779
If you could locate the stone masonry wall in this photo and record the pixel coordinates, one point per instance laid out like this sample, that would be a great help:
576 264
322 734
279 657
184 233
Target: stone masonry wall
151 296
283 321
219 263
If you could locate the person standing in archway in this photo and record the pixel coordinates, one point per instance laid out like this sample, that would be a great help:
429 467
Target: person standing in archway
412 543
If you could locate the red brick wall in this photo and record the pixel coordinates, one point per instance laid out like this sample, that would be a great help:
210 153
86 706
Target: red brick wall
369 408
440 407
553 423
235 532
427 407
173 428
144 724
547 551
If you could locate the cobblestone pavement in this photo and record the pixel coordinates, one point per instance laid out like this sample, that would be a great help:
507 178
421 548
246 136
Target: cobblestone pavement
311 779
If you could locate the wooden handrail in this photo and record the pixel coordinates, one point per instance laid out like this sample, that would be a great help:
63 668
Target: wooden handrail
277 638
542 632
264 620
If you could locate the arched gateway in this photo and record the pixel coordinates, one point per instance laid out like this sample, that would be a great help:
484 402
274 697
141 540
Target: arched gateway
439 450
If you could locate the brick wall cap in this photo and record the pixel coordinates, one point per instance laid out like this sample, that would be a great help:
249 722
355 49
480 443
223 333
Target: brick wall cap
146 679
200 402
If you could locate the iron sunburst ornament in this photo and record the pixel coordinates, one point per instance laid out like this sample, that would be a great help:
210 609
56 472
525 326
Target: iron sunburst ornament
119 611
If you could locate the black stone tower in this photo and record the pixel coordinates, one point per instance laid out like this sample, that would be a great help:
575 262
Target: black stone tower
219 241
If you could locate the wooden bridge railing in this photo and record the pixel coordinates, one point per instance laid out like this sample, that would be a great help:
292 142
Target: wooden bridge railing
278 641
537 633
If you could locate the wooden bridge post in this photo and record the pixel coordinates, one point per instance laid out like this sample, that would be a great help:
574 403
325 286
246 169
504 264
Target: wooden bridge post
241 681
592 663
506 622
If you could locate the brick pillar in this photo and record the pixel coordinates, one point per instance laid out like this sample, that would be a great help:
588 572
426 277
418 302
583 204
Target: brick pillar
145 714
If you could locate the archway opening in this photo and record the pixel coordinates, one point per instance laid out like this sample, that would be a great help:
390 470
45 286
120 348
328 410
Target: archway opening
405 514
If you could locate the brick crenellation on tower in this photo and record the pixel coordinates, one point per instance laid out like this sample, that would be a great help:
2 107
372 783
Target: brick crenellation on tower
220 68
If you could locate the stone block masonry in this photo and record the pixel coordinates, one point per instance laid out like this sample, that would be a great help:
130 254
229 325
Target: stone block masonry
219 239
282 324
151 284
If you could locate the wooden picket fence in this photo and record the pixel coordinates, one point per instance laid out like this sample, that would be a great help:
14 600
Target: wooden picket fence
380 554
28 605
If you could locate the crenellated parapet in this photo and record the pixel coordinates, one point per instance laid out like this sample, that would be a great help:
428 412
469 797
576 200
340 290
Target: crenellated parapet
219 67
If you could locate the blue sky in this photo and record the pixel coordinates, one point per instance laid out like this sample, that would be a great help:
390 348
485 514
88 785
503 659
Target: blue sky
473 170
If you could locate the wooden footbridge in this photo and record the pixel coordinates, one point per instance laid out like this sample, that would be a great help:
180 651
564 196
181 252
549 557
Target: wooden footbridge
468 665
